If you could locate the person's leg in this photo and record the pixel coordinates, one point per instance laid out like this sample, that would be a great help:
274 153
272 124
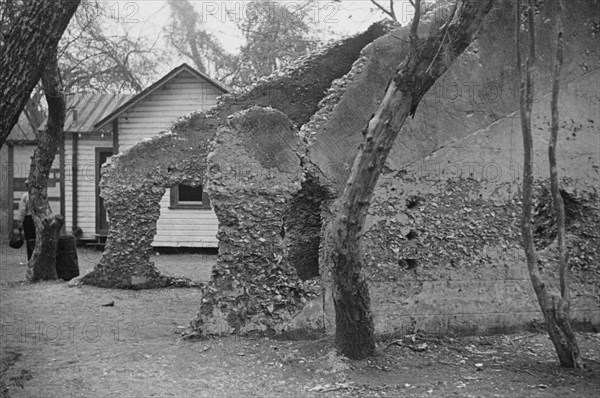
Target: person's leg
29 230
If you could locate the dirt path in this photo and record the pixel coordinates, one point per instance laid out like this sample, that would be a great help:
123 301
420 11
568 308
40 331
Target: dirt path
60 341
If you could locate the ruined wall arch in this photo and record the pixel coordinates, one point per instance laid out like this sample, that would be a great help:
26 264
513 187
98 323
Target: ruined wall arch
134 182
132 186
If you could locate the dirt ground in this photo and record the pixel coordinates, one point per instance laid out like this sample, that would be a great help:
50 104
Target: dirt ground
62 341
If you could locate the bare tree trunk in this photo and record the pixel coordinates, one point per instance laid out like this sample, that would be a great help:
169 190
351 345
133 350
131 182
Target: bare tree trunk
563 337
25 52
420 70
47 225
554 307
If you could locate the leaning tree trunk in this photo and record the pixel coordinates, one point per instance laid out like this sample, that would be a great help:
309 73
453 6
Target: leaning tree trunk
555 308
428 60
25 51
47 225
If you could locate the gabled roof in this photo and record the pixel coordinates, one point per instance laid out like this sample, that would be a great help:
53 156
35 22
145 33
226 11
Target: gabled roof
84 109
145 93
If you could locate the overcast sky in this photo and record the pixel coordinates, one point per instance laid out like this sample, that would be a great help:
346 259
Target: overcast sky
343 18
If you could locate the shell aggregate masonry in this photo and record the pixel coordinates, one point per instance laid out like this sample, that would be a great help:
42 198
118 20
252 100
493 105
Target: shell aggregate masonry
86 171
490 171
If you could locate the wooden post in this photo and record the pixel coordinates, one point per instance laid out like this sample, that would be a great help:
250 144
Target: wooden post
74 169
115 135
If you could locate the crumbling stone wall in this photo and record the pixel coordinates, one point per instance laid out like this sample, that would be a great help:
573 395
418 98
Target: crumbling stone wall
453 263
480 88
253 172
478 91
443 239
132 186
133 183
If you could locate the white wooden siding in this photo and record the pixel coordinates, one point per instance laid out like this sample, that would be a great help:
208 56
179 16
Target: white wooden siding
185 227
6 208
182 95
86 182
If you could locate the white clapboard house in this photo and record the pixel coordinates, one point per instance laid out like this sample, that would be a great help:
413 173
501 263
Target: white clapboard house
100 125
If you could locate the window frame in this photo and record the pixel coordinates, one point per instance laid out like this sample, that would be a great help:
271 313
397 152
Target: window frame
200 205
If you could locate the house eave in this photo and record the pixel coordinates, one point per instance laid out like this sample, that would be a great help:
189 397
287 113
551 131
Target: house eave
150 90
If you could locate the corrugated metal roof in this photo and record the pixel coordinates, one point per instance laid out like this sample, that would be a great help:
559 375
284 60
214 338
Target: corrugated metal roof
84 109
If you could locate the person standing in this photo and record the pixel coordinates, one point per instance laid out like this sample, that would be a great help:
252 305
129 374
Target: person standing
26 223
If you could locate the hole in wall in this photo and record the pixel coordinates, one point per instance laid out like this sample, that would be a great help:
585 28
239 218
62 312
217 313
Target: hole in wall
412 234
413 201
408 263
302 228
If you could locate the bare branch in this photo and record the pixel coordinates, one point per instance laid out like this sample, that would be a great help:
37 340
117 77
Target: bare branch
518 37
445 36
554 307
554 183
414 35
389 12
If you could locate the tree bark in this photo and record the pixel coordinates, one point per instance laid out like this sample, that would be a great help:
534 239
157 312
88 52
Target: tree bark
47 225
555 308
423 66
25 51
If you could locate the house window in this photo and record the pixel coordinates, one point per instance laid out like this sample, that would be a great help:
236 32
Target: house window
186 197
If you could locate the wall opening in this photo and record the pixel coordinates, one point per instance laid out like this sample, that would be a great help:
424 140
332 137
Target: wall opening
303 225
